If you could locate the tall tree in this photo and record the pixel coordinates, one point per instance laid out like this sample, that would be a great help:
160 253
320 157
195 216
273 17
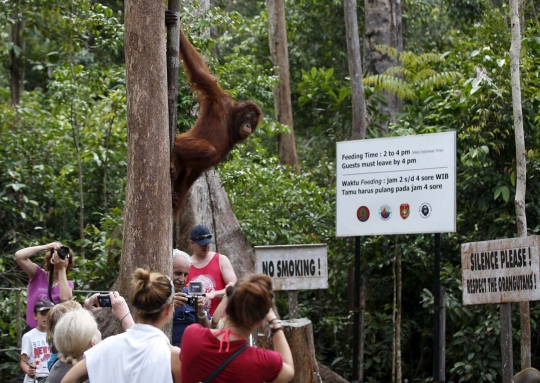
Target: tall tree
382 27
359 121
521 168
147 214
16 83
358 133
277 34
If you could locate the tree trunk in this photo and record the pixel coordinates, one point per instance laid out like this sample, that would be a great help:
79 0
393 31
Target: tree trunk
207 204
329 376
521 170
147 234
358 132
380 29
359 120
277 34
16 83
75 128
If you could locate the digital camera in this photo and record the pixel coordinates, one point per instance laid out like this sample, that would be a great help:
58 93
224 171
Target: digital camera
195 289
104 300
63 252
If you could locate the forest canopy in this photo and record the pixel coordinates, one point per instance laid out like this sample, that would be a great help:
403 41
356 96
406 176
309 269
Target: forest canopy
63 155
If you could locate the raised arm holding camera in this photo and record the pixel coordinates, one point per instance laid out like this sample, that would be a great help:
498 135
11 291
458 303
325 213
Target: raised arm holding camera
58 260
114 300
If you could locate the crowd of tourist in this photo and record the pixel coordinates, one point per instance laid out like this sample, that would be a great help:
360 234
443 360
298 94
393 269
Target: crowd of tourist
213 316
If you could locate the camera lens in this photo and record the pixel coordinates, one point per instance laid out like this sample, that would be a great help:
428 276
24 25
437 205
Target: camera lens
63 252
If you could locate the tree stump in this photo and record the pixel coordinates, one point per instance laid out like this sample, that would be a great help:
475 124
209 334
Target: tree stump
299 334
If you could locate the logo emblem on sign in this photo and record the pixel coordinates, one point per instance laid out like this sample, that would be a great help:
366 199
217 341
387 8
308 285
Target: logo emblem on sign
385 212
404 210
425 210
362 213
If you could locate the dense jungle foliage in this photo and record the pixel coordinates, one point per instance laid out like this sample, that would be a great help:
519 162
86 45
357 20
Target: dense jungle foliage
73 108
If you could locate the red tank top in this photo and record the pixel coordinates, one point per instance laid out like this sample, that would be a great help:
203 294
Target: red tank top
210 276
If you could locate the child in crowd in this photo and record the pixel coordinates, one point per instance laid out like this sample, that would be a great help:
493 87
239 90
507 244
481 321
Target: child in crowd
35 350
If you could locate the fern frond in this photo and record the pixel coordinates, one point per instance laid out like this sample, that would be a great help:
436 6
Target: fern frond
424 73
391 84
395 71
439 79
425 58
390 51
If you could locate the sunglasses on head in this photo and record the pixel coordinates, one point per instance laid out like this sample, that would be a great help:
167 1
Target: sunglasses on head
43 313
204 236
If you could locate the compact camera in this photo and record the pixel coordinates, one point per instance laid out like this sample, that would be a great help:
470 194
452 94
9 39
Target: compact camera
104 300
195 289
63 252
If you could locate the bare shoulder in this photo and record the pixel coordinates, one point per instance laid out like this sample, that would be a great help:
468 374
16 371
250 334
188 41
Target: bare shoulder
224 259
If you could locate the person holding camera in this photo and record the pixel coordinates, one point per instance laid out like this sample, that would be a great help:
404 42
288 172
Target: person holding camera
142 353
249 305
58 260
188 309
214 270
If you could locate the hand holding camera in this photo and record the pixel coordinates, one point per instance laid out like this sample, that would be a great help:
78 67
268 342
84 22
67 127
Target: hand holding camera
60 257
195 290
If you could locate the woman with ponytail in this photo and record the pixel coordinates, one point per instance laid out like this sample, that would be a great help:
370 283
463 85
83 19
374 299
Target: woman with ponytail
249 305
143 353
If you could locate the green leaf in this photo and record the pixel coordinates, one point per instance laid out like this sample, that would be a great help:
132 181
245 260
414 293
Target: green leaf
16 186
513 178
505 193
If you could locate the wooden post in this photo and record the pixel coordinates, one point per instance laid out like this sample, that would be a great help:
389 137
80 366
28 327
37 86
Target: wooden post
505 312
293 304
19 326
299 334
173 63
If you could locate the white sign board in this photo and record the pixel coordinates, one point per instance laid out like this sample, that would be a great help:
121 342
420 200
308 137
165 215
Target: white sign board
396 185
504 270
293 267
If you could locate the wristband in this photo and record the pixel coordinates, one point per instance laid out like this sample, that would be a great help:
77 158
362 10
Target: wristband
275 330
122 320
273 323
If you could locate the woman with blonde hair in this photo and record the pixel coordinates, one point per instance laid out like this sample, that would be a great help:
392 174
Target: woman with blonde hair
142 353
249 305
74 333
53 317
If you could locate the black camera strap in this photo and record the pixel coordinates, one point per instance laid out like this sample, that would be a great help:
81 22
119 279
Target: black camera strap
51 277
218 370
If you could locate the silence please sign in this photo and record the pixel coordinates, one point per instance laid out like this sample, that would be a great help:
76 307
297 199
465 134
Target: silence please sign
293 267
505 270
